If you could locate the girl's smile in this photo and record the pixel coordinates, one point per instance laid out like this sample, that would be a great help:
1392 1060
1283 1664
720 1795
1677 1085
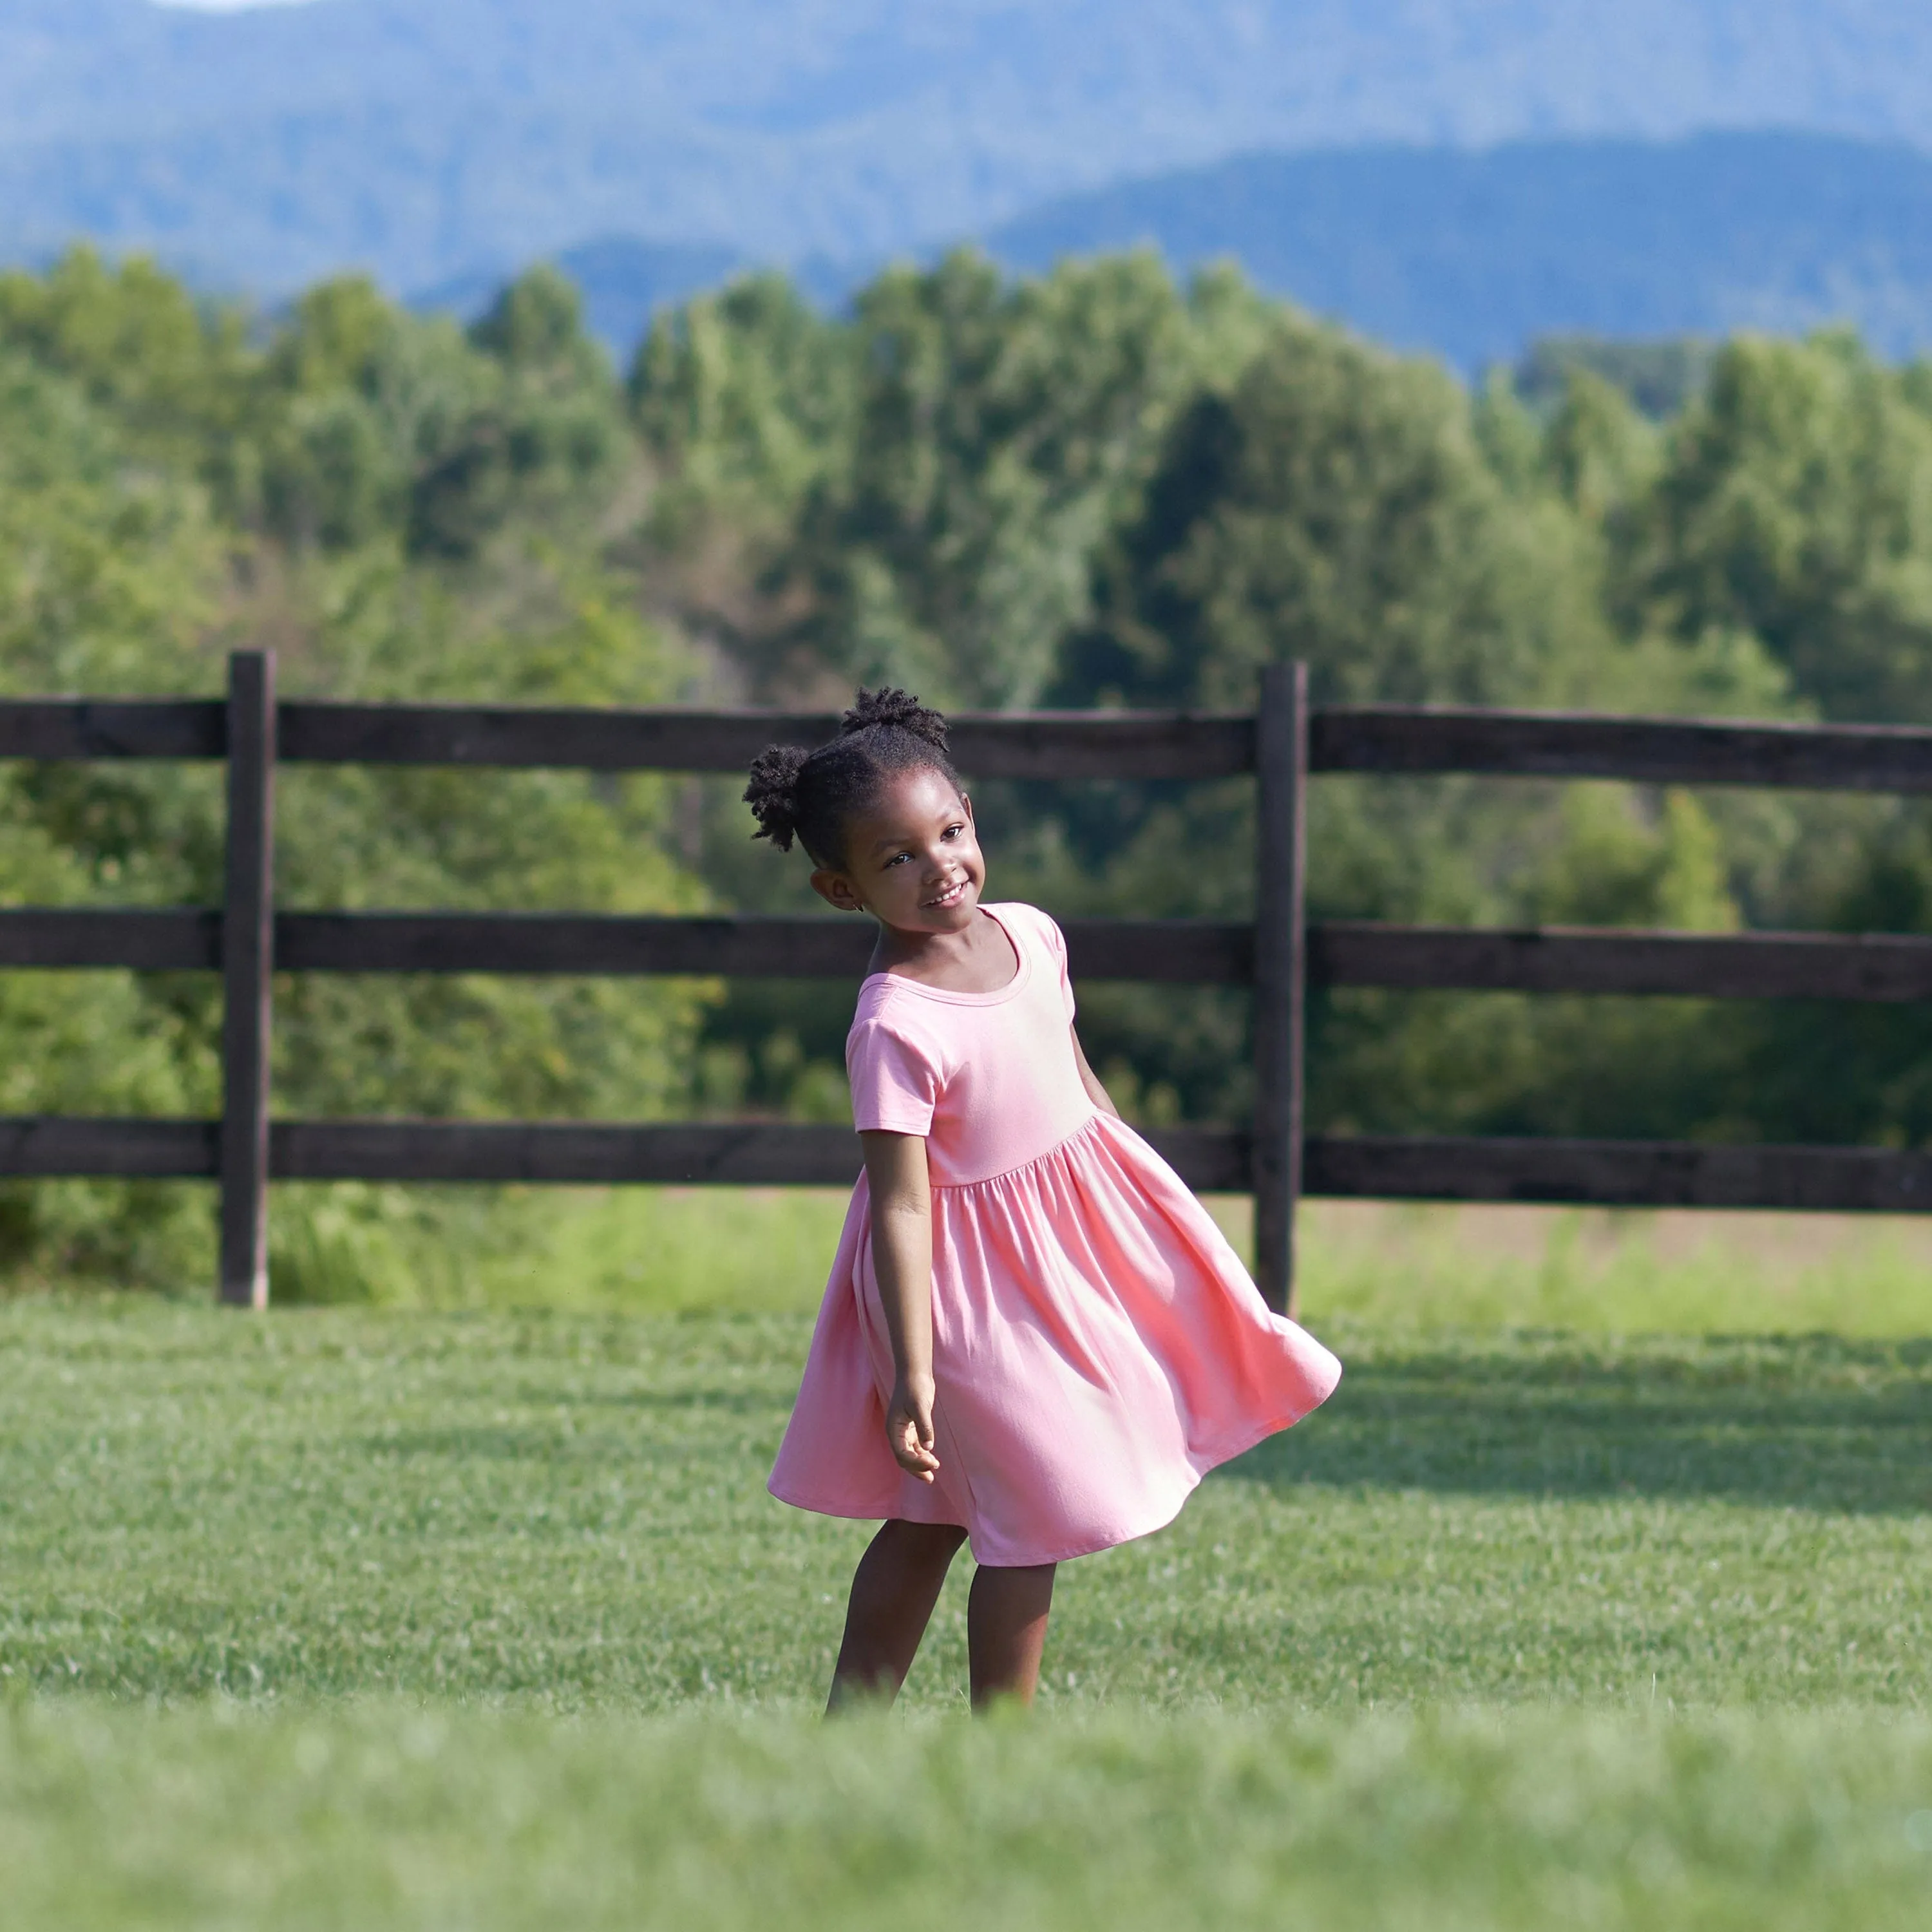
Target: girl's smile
913 861
912 858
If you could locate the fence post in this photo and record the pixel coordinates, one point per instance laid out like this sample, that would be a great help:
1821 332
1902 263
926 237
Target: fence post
1281 774
247 933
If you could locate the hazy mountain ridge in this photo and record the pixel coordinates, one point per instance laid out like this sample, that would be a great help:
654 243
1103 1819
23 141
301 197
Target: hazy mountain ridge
1473 255
1470 256
426 139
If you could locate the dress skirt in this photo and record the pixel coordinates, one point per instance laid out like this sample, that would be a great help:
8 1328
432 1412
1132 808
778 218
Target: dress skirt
1097 1346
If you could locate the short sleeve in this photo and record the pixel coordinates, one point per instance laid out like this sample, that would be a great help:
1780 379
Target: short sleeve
1056 944
894 1085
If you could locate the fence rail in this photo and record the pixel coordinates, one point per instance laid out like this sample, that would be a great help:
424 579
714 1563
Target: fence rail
1415 739
1280 745
1598 1173
1876 968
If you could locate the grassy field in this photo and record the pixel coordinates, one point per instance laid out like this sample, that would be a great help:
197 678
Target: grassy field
360 1816
570 1509
366 1617
663 1249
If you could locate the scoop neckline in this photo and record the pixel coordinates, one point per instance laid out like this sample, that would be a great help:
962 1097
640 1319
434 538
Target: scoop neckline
1022 968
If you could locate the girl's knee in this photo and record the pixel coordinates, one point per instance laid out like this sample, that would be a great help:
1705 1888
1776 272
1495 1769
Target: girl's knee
1018 1579
934 1540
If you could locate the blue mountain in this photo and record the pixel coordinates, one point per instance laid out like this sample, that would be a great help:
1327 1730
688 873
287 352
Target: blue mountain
429 139
1472 255
1469 257
623 282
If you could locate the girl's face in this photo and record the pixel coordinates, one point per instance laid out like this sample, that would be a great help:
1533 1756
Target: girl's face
912 859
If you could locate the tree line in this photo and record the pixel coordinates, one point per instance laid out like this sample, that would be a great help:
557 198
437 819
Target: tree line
1094 487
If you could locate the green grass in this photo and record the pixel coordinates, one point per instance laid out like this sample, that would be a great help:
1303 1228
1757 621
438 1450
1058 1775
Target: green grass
1595 1272
483 1620
663 1249
570 1509
364 1817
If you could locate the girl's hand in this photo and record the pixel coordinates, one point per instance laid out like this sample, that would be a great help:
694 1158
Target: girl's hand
909 1426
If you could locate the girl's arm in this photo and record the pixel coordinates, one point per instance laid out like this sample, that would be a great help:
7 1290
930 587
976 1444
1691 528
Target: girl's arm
901 1197
1091 1081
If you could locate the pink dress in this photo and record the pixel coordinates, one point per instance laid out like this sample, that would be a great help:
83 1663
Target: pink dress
1097 1346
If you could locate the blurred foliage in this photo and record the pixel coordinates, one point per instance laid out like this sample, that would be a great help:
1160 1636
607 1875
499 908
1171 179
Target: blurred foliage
401 512
1093 488
1659 375
1097 488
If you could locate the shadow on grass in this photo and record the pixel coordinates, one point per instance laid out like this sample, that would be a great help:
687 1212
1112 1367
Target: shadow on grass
1811 1422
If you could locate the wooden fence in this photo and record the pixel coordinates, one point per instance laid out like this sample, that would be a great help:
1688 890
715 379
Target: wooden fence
1280 745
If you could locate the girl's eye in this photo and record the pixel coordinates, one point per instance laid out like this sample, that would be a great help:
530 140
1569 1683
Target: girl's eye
952 831
898 859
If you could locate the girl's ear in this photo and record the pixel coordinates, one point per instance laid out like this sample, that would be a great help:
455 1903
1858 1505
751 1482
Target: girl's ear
835 888
965 799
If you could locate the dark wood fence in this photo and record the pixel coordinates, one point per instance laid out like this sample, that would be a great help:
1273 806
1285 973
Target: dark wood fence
1279 744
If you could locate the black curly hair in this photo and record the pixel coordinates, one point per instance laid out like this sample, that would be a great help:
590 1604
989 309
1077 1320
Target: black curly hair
812 796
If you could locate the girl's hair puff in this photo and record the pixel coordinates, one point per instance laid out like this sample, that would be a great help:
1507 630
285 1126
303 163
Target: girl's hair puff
811 795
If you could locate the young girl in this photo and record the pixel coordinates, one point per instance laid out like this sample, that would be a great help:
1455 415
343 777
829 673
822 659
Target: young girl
1034 1338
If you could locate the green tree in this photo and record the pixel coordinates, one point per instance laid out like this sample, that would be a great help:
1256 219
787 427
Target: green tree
173 374
1795 505
1002 429
123 569
1334 506
746 398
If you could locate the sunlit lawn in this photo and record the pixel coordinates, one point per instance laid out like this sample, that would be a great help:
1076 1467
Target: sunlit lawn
571 1509
650 1248
483 1618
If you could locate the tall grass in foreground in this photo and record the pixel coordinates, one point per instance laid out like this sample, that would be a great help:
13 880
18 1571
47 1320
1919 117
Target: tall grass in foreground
372 1816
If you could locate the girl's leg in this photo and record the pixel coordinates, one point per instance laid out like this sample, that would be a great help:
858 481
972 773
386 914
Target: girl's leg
893 1591
1006 1631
